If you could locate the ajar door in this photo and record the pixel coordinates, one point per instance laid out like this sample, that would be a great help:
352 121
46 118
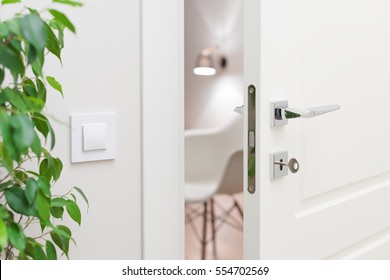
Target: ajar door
315 53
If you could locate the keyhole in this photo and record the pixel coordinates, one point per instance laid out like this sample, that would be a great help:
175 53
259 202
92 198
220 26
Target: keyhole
281 165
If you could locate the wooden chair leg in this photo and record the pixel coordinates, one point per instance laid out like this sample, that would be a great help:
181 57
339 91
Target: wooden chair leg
213 228
239 208
204 238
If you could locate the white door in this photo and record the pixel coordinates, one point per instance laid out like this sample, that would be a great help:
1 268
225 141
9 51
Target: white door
314 53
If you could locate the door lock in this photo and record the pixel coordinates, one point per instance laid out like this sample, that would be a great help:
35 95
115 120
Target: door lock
280 165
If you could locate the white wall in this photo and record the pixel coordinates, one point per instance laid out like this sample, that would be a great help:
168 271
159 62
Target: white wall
101 73
209 100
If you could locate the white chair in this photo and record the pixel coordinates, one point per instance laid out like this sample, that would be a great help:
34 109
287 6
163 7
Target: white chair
207 156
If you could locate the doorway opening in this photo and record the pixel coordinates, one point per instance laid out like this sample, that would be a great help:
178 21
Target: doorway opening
213 129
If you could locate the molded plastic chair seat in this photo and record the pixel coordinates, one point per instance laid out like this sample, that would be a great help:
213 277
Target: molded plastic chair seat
200 191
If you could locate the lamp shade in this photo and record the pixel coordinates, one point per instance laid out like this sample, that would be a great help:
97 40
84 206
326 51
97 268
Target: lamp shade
204 65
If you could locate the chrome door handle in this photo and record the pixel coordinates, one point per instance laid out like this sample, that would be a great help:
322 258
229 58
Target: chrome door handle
280 112
239 110
291 113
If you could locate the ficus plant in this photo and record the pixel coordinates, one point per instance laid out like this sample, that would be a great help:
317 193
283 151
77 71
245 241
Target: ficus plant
28 169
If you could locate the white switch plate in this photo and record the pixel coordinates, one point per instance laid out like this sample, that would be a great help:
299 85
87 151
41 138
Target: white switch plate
93 137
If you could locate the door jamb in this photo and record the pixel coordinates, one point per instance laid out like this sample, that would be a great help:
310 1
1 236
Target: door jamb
162 91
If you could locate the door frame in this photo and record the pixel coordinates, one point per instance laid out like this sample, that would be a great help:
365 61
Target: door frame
168 242
162 98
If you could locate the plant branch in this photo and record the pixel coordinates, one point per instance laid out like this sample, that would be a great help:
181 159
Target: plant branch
9 39
42 235
9 252
19 165
28 223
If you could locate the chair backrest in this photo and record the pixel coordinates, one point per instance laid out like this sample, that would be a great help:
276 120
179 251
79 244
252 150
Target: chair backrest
208 151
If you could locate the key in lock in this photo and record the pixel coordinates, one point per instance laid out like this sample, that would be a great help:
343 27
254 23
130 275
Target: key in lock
292 164
280 165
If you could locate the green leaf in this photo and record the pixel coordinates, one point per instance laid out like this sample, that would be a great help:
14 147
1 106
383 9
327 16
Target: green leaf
68 2
31 53
57 168
17 237
17 201
39 254
17 45
34 31
82 194
38 63
74 197
5 185
43 204
53 44
43 225
23 134
60 242
31 191
61 237
55 84
63 19
2 75
52 136
7 150
45 170
11 59
57 212
3 236
15 98
74 211
36 146
35 104
14 25
3 98
4 30
29 87
4 214
44 186
33 11
59 202
50 251
29 251
41 123
20 176
41 90
4 2
64 232
60 28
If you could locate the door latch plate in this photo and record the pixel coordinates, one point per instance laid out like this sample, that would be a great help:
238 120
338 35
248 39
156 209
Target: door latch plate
251 139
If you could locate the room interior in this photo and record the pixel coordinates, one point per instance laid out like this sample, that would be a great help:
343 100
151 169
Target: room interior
213 130
136 193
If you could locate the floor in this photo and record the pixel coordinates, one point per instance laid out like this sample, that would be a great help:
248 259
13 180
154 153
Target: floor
229 236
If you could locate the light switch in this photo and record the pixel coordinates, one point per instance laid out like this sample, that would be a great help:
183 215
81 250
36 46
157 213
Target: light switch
94 137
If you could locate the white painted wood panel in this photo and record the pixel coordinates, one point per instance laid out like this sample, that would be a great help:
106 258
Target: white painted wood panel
316 53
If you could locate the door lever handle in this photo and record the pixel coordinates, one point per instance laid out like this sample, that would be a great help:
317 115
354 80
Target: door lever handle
291 113
239 110
281 113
